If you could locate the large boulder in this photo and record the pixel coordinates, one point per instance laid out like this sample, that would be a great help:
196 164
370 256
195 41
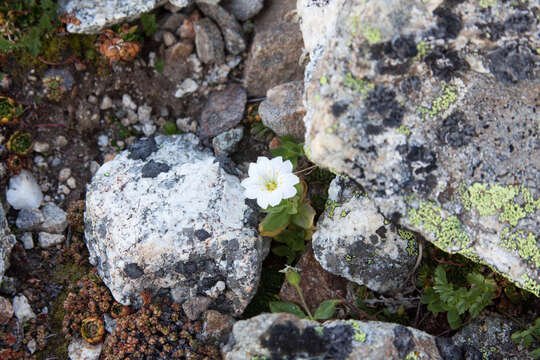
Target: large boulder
164 216
284 336
97 15
7 241
355 241
430 106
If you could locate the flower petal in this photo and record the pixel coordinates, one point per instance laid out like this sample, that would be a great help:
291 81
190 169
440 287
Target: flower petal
252 192
287 167
262 201
274 198
290 180
288 192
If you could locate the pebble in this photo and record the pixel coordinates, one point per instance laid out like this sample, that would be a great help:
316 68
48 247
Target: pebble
144 112
31 346
179 51
106 103
125 122
226 142
188 86
61 141
79 349
208 42
64 174
168 38
29 220
92 99
22 309
94 167
152 57
71 182
41 147
64 189
103 140
186 124
128 103
40 161
223 110
27 240
6 310
149 129
54 219
47 240
56 161
132 117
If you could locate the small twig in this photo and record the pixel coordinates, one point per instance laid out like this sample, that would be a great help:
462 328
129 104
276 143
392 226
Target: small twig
312 167
65 62
252 100
444 261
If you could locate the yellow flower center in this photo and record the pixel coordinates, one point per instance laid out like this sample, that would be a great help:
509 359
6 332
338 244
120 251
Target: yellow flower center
271 185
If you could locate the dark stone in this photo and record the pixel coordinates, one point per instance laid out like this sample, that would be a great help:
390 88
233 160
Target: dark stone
456 131
227 165
381 232
208 42
133 271
512 64
339 339
449 350
373 129
381 100
402 47
339 108
403 341
202 234
410 84
421 153
142 148
519 22
152 169
223 111
445 63
449 24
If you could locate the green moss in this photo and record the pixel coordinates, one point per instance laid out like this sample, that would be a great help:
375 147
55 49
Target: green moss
441 103
358 85
448 231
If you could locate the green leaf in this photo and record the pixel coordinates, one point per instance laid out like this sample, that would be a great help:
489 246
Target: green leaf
293 277
453 319
169 128
286 307
159 65
535 354
148 22
282 251
326 309
305 216
440 275
274 223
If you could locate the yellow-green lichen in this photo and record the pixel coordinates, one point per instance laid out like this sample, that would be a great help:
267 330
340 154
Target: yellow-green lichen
448 231
323 80
412 356
441 103
525 244
404 130
372 34
422 47
332 205
358 85
530 284
512 203
487 3
412 245
359 335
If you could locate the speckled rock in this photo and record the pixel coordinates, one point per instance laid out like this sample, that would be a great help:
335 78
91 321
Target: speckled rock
230 28
223 110
274 58
22 309
429 106
227 142
355 241
7 240
284 336
99 14
6 310
208 42
187 229
283 110
491 336
243 9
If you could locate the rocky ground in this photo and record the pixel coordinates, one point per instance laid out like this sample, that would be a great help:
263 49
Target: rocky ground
127 126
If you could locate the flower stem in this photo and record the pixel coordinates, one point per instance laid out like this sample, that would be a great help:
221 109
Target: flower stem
304 302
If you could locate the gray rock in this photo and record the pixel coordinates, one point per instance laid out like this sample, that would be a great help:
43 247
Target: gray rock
98 15
168 38
491 336
230 28
179 4
353 240
226 142
185 230
411 102
54 219
243 9
216 327
187 87
7 240
173 22
27 240
22 309
223 110
194 307
208 42
87 116
284 336
106 103
283 110
273 59
79 349
29 220
47 240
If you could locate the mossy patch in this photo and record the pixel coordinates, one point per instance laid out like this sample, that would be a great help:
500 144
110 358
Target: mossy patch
360 86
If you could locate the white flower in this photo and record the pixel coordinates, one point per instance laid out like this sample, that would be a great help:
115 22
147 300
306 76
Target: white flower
270 181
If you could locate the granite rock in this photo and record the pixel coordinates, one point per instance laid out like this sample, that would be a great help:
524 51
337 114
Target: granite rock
208 42
283 110
243 9
7 241
186 230
230 28
428 106
223 110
